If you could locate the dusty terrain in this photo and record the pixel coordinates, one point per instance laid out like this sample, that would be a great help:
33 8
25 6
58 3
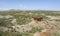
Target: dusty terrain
29 23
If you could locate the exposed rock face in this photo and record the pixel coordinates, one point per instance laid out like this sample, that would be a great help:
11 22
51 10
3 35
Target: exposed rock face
37 19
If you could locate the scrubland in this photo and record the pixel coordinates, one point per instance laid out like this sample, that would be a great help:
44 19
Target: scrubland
20 23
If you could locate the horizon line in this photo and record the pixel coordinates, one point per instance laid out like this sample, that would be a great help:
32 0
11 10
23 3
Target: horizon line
27 10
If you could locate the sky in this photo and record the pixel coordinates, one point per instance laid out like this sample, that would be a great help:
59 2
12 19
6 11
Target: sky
30 4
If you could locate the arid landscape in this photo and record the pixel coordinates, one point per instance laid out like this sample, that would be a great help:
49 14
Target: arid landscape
29 17
29 23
